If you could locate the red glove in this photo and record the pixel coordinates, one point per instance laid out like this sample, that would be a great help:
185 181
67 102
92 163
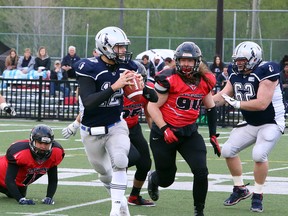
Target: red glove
215 144
169 135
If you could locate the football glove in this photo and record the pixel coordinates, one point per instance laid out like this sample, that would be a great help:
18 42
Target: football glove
24 201
150 94
233 102
169 135
215 144
8 109
71 129
48 201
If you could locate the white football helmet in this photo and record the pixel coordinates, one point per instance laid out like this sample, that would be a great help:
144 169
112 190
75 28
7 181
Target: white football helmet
109 37
250 51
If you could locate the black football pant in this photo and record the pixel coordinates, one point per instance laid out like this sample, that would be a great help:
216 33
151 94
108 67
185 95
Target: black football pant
193 150
139 150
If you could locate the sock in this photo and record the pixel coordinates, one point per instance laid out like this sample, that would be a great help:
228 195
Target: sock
258 188
118 187
238 180
135 191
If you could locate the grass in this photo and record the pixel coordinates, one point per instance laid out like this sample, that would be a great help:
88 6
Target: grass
80 192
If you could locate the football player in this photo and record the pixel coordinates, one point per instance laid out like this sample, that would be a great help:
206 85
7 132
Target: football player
181 91
104 133
254 88
139 154
26 161
6 107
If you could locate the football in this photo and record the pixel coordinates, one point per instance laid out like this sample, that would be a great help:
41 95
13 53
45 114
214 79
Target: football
134 92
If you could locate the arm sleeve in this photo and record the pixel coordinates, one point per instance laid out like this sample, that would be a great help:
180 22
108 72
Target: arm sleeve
10 181
52 181
212 120
90 98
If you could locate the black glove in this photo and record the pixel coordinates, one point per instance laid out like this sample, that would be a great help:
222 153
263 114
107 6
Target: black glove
48 201
215 144
24 201
150 94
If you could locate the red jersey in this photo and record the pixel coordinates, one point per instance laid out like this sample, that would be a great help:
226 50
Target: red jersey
132 110
183 104
29 169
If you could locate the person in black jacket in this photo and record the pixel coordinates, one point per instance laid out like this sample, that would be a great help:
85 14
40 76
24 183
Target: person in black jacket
68 61
59 75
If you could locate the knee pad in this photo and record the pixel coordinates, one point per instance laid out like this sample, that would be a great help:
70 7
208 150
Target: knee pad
259 156
120 161
228 151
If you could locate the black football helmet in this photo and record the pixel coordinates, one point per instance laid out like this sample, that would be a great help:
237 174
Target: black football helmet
44 134
187 50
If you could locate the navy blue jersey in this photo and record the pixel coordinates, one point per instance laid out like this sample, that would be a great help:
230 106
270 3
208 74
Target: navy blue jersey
245 88
99 77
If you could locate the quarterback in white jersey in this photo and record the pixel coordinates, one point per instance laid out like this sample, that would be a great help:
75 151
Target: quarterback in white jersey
254 88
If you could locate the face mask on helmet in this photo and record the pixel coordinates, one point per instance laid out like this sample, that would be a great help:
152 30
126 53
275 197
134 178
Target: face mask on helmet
42 134
246 56
113 43
187 50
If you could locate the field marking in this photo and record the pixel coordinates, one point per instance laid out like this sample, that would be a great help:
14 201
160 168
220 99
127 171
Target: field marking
274 185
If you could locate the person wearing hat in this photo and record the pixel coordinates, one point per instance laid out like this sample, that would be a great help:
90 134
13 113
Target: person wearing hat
59 74
158 64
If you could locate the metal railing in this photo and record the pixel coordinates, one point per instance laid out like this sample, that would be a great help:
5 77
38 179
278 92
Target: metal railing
32 99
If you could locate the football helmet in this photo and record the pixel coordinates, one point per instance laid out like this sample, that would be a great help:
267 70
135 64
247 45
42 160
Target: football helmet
109 37
44 134
249 51
141 70
187 50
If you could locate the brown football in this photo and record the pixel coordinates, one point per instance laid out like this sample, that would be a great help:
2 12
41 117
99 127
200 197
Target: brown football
134 92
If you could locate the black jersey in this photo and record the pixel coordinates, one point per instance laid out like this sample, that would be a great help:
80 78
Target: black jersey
245 88
102 77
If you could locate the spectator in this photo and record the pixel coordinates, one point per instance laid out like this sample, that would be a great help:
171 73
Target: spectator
282 62
217 66
149 67
68 62
26 161
25 64
284 80
169 63
42 65
11 64
59 74
223 77
159 65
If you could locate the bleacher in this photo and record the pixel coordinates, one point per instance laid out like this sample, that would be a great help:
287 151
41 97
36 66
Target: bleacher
31 99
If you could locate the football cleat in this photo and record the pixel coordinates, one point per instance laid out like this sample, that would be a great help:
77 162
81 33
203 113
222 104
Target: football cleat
256 205
139 201
239 193
153 190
